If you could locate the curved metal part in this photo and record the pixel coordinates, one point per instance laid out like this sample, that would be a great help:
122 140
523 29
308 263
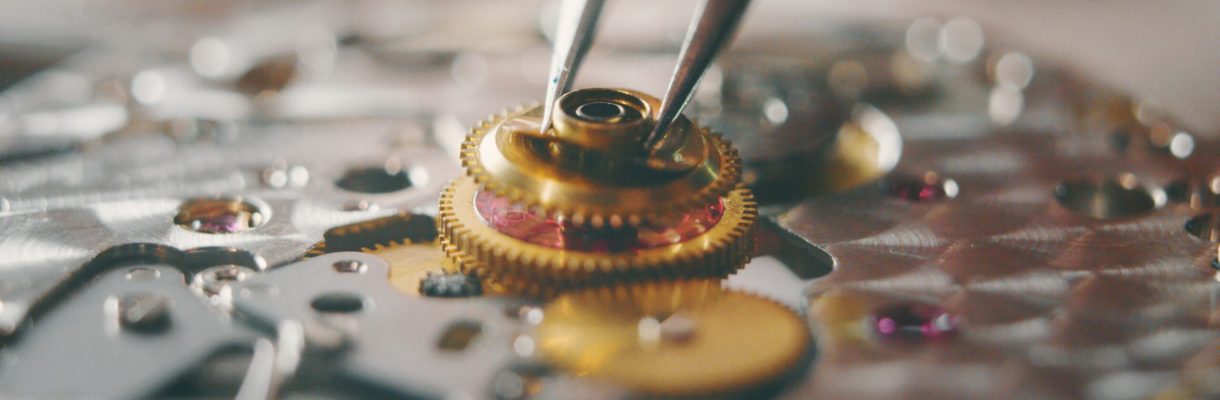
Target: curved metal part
125 335
289 171
387 339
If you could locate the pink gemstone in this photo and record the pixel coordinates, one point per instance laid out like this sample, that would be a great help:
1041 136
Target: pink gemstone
914 321
925 188
220 223
524 224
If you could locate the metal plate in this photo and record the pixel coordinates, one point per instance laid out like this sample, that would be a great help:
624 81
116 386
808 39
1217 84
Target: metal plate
911 169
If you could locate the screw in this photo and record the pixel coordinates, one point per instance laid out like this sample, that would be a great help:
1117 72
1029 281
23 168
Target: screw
212 280
229 273
445 284
142 274
145 313
349 266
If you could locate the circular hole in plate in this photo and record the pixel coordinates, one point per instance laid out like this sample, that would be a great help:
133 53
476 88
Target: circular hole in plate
1111 198
929 187
1205 226
600 111
1197 193
374 180
341 303
219 215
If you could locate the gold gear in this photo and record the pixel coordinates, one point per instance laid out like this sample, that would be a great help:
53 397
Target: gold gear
526 268
685 338
591 172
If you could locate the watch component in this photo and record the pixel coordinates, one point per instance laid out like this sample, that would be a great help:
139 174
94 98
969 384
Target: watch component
375 180
591 167
407 241
913 320
397 337
1205 226
61 210
212 280
779 113
586 205
1111 198
398 229
126 334
865 149
930 212
1057 265
1199 193
681 338
928 187
219 215
450 284
565 256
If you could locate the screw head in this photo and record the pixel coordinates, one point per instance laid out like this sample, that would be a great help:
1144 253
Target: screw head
214 279
144 313
350 266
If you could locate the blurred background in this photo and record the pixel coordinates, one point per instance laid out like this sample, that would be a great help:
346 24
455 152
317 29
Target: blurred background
1164 52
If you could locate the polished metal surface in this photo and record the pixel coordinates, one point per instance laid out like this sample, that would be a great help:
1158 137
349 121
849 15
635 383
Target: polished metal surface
952 215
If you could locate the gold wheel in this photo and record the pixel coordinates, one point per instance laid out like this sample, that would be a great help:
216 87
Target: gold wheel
672 339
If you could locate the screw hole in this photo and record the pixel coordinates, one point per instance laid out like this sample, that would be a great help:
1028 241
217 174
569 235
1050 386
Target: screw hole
219 215
374 180
349 266
459 335
600 111
339 303
1205 226
1111 198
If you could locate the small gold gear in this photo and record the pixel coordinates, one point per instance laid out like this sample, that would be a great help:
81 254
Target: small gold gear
531 269
685 338
596 172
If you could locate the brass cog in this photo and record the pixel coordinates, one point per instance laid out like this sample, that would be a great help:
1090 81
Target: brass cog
687 338
599 172
533 269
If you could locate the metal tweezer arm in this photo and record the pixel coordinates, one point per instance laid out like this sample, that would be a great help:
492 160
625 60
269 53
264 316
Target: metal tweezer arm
573 36
711 28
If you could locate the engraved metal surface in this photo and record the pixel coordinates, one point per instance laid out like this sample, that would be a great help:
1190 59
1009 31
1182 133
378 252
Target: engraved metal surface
953 218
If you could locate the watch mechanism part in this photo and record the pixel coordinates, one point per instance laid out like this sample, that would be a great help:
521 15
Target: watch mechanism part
681 338
450 284
372 338
584 205
592 167
528 252
408 243
242 202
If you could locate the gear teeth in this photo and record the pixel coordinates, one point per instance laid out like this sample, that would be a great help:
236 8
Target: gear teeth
729 175
514 266
586 323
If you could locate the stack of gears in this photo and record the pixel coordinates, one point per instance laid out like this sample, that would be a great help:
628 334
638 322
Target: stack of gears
628 243
585 204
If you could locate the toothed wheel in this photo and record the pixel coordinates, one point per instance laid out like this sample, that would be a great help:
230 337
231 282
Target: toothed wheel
686 338
592 166
527 252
